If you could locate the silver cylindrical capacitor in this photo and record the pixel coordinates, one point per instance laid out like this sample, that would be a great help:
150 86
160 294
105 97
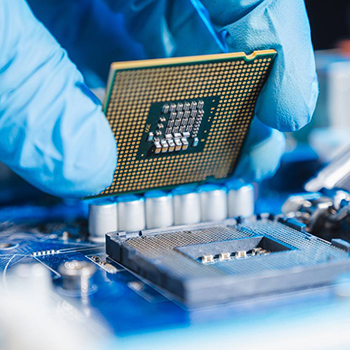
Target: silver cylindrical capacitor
76 276
187 209
240 198
159 209
213 202
131 213
103 218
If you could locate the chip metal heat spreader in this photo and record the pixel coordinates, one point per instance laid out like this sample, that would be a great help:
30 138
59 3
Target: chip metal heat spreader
181 120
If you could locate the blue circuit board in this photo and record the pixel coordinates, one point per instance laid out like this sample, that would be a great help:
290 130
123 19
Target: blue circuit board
52 235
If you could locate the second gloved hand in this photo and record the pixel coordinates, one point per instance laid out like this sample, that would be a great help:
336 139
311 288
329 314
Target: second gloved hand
289 97
165 28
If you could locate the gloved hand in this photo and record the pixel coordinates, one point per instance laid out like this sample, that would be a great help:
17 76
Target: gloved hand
289 97
97 32
52 129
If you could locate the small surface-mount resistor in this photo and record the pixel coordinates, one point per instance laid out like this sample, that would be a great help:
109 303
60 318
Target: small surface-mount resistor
171 144
184 143
165 108
165 146
45 252
242 254
180 115
104 264
150 136
179 106
178 145
224 256
207 259
157 146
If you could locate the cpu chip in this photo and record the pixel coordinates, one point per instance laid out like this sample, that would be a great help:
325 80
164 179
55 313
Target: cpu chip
181 120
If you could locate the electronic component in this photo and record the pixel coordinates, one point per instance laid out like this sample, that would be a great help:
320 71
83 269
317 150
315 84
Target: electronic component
46 252
228 261
335 175
240 199
103 218
185 205
104 264
176 122
131 213
213 202
326 216
76 277
187 208
159 209
210 98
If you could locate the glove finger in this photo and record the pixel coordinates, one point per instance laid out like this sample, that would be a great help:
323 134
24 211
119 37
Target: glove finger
288 99
52 130
261 153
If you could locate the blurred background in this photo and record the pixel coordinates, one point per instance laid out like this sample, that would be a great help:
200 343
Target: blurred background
308 151
328 134
329 24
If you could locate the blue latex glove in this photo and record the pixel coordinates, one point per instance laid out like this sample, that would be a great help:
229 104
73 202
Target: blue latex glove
137 29
52 130
288 99
97 32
